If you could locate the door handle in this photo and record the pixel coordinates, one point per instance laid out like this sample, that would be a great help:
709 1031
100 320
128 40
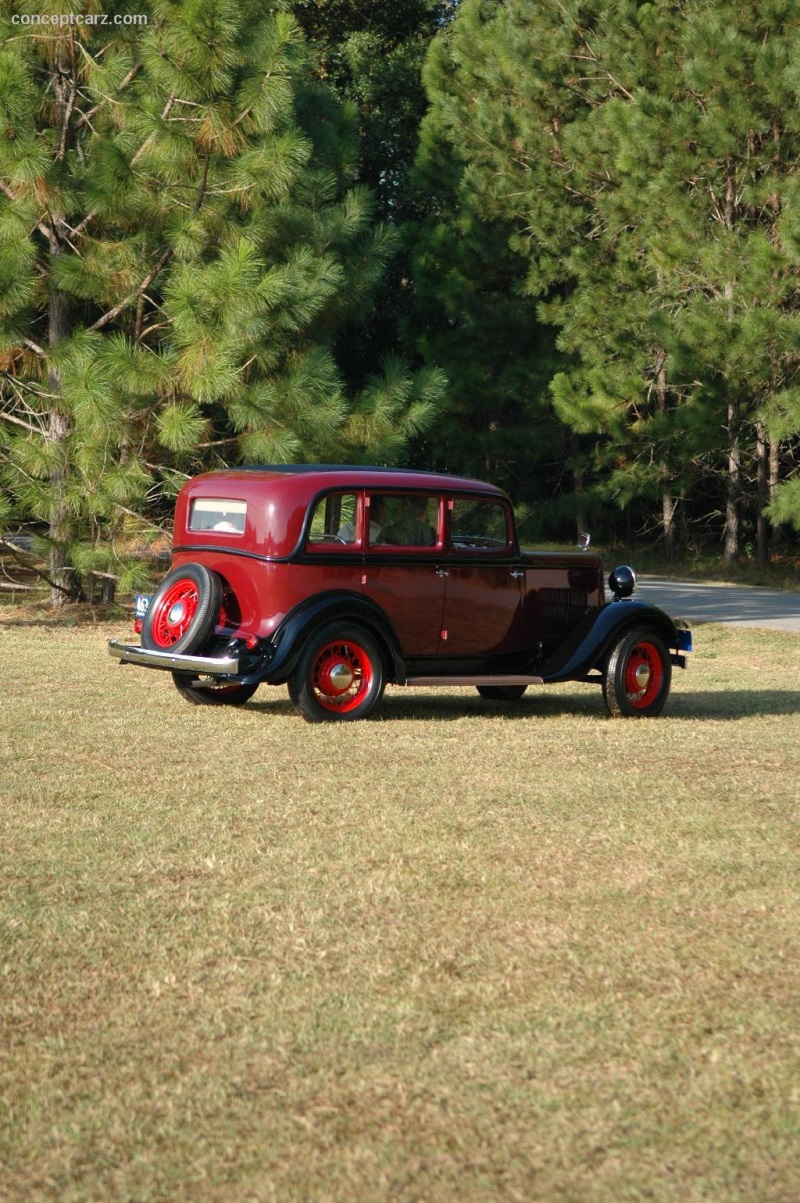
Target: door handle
517 573
442 572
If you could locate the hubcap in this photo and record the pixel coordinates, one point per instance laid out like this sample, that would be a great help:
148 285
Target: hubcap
644 675
176 613
341 676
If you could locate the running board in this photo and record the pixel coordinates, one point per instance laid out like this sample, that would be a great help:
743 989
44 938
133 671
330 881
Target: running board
498 679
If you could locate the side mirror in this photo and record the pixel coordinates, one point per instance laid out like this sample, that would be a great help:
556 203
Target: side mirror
622 582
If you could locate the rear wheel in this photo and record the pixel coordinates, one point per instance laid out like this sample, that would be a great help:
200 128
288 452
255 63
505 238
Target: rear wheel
212 693
340 675
637 675
184 610
502 693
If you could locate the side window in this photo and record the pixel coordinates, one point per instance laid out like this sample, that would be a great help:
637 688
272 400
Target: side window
407 520
478 525
334 521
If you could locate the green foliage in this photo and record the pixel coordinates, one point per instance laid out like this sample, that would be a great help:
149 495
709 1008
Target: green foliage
472 315
181 245
393 408
639 160
371 55
786 506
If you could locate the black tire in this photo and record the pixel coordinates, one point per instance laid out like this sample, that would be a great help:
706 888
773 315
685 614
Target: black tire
501 693
340 675
637 675
211 693
183 611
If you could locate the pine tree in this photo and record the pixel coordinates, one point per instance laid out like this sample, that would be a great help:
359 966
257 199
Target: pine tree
371 54
645 156
180 241
690 151
471 313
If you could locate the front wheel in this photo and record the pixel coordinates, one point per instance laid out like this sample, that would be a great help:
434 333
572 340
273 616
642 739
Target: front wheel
212 693
340 675
637 675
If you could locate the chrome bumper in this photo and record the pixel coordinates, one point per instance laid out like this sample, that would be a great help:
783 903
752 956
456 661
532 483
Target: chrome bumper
213 666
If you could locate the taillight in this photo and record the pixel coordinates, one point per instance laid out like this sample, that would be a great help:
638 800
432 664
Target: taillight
137 626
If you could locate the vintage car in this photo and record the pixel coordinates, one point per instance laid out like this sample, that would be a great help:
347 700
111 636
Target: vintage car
337 581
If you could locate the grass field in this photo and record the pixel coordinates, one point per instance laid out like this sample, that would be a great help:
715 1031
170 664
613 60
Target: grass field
456 954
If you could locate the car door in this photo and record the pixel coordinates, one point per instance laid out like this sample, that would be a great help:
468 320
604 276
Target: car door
482 611
403 570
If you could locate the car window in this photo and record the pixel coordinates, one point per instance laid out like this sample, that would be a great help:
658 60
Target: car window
335 520
218 514
478 525
404 520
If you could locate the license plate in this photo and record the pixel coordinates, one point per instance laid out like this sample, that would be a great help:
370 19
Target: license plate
140 603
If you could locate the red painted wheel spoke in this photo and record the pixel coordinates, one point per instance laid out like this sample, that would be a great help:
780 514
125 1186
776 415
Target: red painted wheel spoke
341 676
175 613
644 675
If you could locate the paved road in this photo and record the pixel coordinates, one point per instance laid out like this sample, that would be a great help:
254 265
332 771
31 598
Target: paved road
737 604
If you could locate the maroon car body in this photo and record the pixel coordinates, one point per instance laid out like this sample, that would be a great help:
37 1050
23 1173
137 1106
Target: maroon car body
338 580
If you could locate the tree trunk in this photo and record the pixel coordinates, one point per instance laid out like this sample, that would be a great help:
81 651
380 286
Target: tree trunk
58 431
734 486
668 502
774 467
762 495
668 507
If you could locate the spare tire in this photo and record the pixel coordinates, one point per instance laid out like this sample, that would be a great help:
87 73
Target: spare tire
183 611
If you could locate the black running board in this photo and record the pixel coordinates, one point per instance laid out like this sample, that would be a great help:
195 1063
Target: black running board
497 679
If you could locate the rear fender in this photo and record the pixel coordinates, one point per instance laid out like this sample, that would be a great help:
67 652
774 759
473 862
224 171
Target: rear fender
592 638
286 644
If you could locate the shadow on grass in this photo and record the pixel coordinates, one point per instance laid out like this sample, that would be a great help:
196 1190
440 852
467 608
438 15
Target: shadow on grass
734 703
717 705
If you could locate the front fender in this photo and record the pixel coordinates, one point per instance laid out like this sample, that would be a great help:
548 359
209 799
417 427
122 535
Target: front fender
289 638
592 638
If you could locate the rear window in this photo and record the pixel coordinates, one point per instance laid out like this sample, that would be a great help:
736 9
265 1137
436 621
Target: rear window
218 514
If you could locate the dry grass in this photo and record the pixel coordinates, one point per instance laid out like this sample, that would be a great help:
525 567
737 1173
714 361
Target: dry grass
458 953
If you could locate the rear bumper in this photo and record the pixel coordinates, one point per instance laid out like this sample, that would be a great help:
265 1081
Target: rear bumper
212 666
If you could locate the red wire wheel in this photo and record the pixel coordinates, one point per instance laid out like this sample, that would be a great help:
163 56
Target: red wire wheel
184 610
637 675
340 675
